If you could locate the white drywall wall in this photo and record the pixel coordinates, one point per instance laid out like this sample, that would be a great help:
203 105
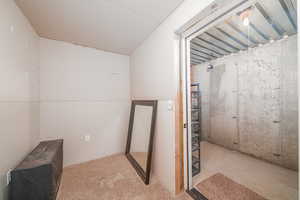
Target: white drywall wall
83 92
153 69
19 71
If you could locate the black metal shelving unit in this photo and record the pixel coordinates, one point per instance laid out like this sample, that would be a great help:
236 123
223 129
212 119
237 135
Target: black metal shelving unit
196 127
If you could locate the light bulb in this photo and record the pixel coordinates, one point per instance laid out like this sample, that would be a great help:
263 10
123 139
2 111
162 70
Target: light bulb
246 21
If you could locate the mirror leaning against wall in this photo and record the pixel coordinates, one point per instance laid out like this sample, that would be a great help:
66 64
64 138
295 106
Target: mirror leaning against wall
140 136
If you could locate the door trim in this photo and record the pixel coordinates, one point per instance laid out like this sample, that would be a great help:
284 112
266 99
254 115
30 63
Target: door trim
209 17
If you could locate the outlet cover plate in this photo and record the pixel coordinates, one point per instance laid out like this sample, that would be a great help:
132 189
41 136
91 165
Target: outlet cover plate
8 176
87 138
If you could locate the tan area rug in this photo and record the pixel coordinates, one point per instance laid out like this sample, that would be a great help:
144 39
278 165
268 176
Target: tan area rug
109 178
219 187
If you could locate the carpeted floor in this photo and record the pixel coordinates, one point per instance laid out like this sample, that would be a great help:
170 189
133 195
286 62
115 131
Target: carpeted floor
220 187
109 178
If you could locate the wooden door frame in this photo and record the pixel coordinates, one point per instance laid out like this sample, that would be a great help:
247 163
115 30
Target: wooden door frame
179 173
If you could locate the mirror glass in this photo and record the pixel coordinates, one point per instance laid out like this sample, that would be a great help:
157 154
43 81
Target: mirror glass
141 134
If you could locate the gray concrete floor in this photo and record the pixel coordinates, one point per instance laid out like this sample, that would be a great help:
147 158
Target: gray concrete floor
270 181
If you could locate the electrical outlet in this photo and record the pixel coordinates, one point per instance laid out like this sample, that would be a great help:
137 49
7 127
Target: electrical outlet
87 138
170 105
8 176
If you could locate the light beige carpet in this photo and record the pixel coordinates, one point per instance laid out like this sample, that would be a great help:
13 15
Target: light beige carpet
219 187
109 178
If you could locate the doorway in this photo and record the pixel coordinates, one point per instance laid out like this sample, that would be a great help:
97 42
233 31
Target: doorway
240 101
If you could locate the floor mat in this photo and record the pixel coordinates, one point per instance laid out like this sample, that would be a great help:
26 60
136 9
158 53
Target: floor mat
220 187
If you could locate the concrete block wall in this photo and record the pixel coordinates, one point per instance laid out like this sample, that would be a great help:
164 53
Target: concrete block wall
250 102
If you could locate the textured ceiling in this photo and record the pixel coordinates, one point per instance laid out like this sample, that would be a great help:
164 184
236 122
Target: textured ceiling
112 25
268 21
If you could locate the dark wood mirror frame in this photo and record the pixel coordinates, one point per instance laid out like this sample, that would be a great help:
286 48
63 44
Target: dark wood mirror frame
145 175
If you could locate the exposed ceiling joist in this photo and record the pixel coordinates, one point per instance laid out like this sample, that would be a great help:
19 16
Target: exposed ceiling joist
232 38
203 52
211 50
246 36
278 29
288 13
201 57
226 43
266 22
213 44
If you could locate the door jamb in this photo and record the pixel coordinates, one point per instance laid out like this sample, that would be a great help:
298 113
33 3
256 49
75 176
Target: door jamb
209 17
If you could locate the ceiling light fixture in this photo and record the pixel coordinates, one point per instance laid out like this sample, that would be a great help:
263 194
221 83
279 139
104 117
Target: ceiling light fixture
245 16
246 21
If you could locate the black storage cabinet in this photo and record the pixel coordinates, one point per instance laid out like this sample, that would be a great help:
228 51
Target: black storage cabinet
38 176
